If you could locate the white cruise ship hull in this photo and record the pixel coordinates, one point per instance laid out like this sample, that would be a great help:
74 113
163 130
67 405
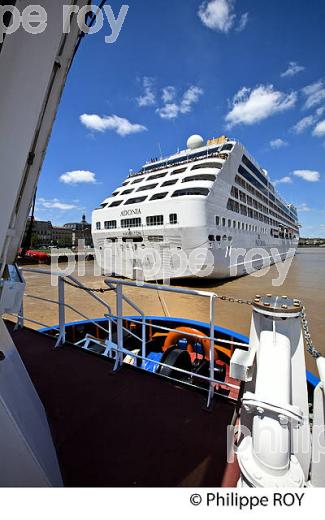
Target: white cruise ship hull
217 261
208 213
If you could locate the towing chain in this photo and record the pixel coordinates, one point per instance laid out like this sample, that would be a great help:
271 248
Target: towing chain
231 299
88 289
309 342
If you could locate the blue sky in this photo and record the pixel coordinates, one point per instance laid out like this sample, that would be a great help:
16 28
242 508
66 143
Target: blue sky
250 69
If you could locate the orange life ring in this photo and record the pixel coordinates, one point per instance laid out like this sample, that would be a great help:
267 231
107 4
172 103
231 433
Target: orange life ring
182 332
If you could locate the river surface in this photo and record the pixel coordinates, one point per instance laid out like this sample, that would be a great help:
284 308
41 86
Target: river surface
305 280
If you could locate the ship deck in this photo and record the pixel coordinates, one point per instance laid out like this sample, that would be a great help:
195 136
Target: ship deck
126 429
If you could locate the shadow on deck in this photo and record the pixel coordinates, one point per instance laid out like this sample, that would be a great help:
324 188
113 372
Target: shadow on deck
127 429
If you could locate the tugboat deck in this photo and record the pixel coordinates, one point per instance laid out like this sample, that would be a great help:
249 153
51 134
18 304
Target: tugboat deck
125 429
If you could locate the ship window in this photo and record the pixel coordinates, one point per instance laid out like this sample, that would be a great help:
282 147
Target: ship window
229 222
191 191
111 240
125 183
110 224
136 181
218 238
224 237
234 224
135 200
234 192
115 203
211 238
180 170
98 226
127 192
223 221
147 187
243 210
217 221
207 165
250 178
156 238
227 147
233 205
173 218
115 193
158 196
255 170
130 222
203 177
102 206
169 183
155 220
157 176
132 239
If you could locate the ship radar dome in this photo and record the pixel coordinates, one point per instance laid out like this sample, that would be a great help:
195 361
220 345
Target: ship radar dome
195 141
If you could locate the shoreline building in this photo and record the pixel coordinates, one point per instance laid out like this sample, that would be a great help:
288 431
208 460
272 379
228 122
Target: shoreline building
45 234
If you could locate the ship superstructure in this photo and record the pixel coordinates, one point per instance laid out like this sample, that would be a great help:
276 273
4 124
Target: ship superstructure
211 197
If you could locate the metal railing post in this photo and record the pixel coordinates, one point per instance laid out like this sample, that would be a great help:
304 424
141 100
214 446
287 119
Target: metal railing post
119 312
61 338
211 351
143 342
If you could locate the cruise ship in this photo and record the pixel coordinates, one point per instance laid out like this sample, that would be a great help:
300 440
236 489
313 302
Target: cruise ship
207 211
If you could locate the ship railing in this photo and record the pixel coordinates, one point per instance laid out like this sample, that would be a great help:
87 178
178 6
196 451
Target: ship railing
167 164
116 349
62 306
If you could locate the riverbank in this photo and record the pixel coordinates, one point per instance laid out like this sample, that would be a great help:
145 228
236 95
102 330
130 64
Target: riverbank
305 281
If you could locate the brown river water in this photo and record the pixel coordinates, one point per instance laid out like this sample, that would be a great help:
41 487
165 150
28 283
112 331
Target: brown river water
305 281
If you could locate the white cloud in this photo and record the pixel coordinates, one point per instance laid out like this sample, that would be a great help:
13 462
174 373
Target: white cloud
169 111
278 143
304 123
319 130
217 14
284 180
303 207
314 93
78 177
149 98
118 124
184 106
55 204
191 96
320 111
308 121
168 94
292 70
242 22
307 175
251 106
